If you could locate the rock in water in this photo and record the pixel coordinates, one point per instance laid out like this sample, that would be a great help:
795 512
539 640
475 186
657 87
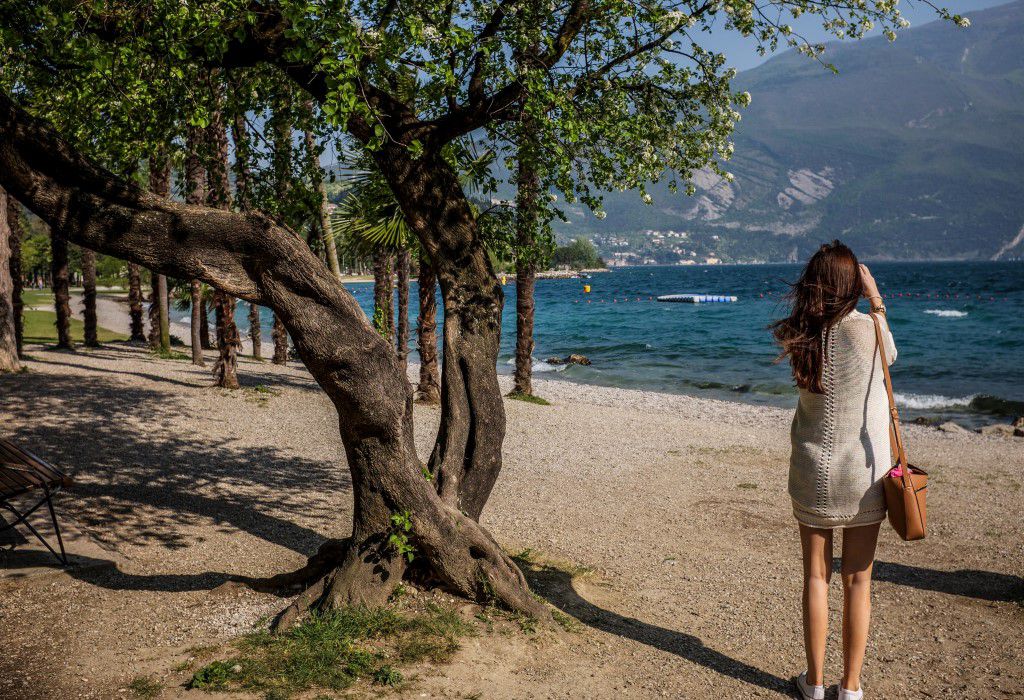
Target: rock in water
572 359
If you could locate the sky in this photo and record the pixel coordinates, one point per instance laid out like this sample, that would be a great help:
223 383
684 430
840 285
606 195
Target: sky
742 55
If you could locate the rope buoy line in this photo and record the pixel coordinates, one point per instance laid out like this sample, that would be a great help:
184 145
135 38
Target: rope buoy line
590 298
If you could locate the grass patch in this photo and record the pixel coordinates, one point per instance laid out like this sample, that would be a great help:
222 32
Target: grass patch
334 650
259 394
171 354
145 687
528 398
41 327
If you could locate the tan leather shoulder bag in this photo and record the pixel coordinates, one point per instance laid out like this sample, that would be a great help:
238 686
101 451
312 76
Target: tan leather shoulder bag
906 486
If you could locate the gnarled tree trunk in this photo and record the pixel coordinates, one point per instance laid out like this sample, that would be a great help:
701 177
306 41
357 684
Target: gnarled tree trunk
17 284
61 276
9 361
92 339
466 459
429 389
253 258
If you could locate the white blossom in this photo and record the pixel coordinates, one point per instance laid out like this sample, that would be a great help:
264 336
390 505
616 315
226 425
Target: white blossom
600 215
646 198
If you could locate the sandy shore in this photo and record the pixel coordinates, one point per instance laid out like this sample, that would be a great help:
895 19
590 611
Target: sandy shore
677 504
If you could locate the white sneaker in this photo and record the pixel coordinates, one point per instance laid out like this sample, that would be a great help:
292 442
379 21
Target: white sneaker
845 694
807 691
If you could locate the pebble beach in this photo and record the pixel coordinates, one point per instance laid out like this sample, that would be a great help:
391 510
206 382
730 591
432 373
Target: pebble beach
666 515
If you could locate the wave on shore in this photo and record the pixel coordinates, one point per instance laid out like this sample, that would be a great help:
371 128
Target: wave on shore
978 402
946 313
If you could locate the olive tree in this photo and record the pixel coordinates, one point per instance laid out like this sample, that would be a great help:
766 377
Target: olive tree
617 92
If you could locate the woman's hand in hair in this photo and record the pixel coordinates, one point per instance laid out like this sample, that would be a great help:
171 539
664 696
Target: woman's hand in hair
870 287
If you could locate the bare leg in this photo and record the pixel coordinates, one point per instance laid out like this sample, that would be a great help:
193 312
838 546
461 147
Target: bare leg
858 556
817 549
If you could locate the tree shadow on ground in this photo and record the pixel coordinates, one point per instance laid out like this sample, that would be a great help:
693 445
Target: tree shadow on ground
251 373
556 586
140 481
971 583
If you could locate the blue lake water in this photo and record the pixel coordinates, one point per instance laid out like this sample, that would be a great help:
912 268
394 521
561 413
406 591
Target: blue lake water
959 328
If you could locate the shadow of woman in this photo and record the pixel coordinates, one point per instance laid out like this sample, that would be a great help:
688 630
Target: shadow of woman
983 585
557 588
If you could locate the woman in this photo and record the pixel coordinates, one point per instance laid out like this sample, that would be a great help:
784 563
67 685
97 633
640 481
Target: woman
840 439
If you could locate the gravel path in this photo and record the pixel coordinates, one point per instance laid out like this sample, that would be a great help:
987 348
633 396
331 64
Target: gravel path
676 506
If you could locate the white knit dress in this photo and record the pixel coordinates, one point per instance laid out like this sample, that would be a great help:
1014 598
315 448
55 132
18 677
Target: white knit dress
841 437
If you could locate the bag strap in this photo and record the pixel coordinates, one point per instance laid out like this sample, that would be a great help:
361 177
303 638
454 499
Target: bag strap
895 438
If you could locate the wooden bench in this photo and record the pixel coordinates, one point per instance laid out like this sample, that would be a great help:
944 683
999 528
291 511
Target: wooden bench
22 472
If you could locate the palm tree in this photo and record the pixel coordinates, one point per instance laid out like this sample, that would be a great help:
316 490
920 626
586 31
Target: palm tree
323 217
370 222
89 298
159 320
61 275
138 332
281 125
243 200
9 360
16 234
195 193
225 370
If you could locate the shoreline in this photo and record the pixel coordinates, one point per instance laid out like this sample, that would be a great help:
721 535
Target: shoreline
112 313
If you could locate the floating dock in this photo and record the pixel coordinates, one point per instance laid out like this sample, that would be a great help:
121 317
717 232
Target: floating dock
698 298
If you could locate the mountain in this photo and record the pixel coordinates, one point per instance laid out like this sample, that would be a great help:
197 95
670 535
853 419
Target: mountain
915 150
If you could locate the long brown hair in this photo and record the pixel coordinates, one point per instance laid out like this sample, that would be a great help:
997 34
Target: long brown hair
827 290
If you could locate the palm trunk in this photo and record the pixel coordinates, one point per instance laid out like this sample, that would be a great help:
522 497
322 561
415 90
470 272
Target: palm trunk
196 289
243 156
9 353
526 266
281 163
324 218
14 225
92 339
159 310
225 370
61 289
204 324
195 193
255 332
279 333
429 389
402 335
383 296
159 316
138 329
